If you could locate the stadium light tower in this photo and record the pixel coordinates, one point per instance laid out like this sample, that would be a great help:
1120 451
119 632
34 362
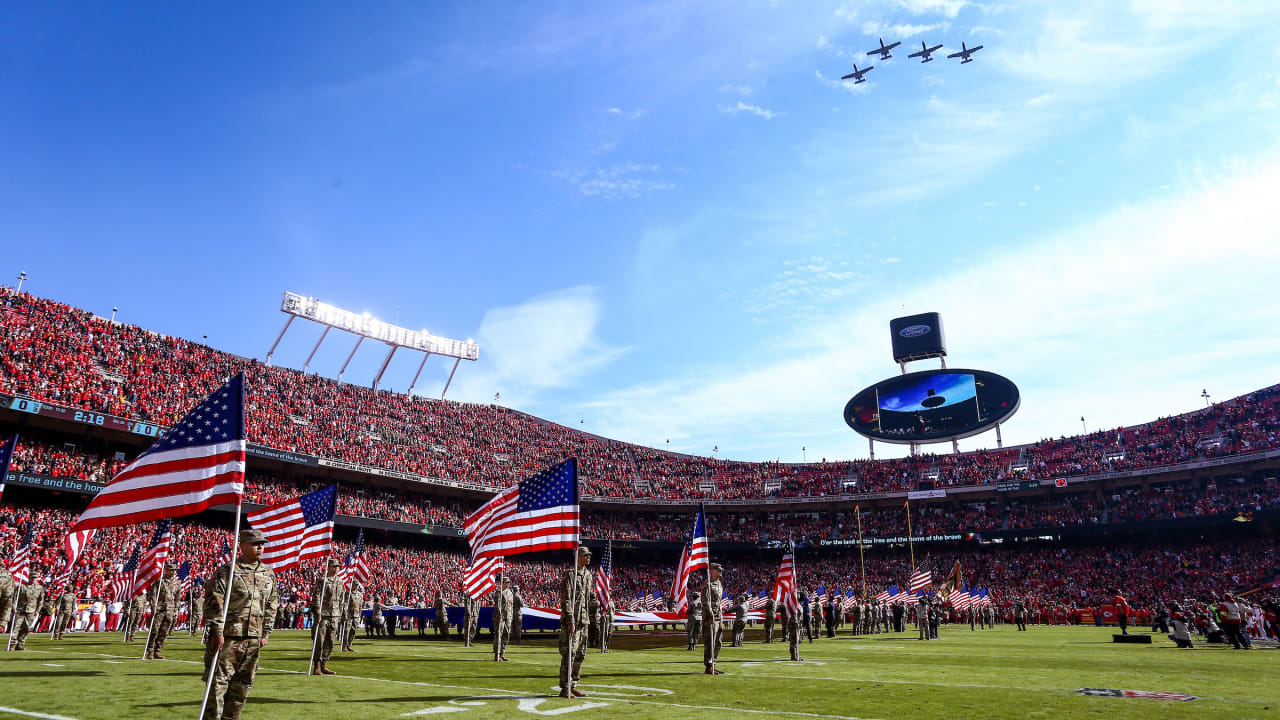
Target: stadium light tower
114 310
364 325
22 276
1083 426
1204 393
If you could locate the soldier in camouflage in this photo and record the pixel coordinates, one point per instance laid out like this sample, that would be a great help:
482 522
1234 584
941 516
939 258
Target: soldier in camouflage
66 613
792 621
30 597
133 612
739 620
502 612
442 616
593 620
6 592
166 598
517 615
694 624
326 611
712 620
250 609
354 612
770 612
195 607
575 588
606 625
470 618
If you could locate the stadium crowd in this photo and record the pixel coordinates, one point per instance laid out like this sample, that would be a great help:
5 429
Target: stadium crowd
53 352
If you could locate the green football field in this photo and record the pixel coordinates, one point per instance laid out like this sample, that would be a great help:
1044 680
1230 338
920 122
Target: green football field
997 673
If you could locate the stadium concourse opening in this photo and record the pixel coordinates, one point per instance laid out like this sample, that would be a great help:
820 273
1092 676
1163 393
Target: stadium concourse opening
1169 526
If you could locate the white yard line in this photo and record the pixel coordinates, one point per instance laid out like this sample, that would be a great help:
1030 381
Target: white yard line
45 716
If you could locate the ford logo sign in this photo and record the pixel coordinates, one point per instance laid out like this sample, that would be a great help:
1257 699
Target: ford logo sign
914 331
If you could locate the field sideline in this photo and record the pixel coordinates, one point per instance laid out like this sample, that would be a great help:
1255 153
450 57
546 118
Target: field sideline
997 673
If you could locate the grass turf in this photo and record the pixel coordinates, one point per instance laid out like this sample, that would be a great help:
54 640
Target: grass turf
991 674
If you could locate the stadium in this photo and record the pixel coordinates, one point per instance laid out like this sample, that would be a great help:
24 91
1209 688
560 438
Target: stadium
191 530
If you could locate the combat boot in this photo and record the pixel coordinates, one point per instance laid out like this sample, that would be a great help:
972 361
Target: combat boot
324 669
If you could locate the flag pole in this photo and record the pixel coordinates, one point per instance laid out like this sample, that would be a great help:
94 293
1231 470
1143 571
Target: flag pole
573 618
226 595
862 563
13 618
910 546
315 621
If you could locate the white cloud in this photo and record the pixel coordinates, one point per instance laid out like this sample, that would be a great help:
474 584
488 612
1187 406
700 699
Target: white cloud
901 31
547 342
627 180
949 8
1040 100
743 90
805 287
1076 319
742 107
630 115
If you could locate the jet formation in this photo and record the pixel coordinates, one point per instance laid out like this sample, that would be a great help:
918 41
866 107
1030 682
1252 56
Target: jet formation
925 53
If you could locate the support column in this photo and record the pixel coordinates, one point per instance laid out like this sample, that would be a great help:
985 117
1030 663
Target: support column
999 440
955 446
450 380
314 349
386 361
415 375
871 445
348 362
279 337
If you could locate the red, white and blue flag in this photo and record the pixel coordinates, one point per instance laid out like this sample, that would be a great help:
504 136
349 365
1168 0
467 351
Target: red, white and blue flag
604 578
654 601
850 600
898 596
298 529
920 580
151 566
73 544
224 557
540 513
727 602
757 602
356 569
477 578
20 564
6 456
680 584
699 547
185 577
197 464
118 589
959 597
784 588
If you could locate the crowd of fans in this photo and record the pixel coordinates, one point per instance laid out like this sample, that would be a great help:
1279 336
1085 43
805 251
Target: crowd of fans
1081 576
52 352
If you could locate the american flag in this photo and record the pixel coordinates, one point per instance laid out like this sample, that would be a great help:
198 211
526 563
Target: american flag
186 577
477 579
920 580
356 568
680 584
73 544
6 455
727 601
654 602
984 599
20 564
297 529
757 602
151 566
122 579
959 597
540 513
699 549
896 595
638 604
197 464
883 596
850 600
224 557
604 578
784 589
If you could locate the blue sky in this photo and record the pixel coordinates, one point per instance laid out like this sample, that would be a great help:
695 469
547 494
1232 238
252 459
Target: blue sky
671 220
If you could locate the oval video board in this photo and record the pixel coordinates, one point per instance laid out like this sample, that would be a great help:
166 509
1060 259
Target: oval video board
932 406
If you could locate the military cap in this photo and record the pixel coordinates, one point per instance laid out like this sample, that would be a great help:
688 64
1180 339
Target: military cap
252 536
333 562
716 566
584 550
168 565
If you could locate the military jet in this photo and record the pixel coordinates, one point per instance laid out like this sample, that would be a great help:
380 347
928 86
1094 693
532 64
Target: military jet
857 74
926 52
883 50
965 52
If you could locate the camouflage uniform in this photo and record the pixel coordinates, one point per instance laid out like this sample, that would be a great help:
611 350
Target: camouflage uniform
354 611
6 595
470 619
606 626
712 619
770 610
517 616
502 601
575 588
593 620
195 610
66 613
133 612
739 621
792 622
442 617
165 601
30 598
694 625
326 610
250 609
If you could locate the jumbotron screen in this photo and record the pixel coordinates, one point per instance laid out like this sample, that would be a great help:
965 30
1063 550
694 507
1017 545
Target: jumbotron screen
932 406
